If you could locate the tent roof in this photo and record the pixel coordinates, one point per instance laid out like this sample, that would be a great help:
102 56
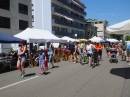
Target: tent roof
68 39
5 38
119 28
38 36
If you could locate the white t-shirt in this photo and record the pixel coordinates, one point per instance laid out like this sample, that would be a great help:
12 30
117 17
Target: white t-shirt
89 48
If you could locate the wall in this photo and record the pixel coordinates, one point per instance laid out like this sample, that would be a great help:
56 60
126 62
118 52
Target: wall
42 15
14 16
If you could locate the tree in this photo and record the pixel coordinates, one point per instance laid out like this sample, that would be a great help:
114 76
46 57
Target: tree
118 37
127 38
89 20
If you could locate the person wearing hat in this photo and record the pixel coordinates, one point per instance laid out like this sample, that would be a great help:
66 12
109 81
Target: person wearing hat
89 47
50 52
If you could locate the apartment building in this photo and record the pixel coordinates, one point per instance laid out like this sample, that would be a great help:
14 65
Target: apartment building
61 17
101 31
15 16
91 30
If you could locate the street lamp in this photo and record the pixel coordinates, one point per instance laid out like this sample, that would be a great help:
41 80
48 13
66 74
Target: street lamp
75 36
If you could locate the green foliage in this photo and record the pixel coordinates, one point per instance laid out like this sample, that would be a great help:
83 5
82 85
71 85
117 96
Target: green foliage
90 20
127 38
118 37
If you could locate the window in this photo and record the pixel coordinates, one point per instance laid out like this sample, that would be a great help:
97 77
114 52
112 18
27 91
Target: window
23 9
4 22
32 18
23 25
95 22
72 31
5 4
100 22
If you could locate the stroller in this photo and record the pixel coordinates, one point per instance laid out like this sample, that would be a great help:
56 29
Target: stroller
95 59
113 57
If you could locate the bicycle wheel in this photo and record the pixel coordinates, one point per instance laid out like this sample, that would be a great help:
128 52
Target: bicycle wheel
82 60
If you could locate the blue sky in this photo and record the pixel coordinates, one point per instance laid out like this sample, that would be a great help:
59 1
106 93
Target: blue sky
114 11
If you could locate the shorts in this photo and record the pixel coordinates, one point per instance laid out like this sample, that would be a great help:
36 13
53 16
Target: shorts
124 53
128 53
22 59
89 55
99 53
50 58
108 51
71 51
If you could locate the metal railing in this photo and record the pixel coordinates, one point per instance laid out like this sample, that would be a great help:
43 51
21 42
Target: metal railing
69 14
68 24
75 8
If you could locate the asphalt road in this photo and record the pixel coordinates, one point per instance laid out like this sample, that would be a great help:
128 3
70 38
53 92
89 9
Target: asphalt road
69 80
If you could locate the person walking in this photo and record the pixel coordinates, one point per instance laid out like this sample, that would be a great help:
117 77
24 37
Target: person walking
71 50
123 50
89 47
21 58
99 50
41 60
50 53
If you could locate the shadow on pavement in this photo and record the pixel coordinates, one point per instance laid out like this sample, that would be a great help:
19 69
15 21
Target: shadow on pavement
48 73
56 66
122 72
31 74
7 70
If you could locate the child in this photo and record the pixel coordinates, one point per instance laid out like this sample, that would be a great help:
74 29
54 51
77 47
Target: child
42 60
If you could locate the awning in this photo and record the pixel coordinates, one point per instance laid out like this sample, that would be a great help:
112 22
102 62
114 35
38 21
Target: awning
68 18
64 17
77 3
119 28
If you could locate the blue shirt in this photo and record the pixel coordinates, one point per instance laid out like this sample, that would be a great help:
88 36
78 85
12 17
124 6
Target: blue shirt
128 46
71 45
41 56
50 50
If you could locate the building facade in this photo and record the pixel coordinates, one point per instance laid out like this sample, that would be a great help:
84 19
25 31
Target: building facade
15 16
101 31
91 30
61 17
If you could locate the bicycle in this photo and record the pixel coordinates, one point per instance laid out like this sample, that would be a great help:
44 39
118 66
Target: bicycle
83 59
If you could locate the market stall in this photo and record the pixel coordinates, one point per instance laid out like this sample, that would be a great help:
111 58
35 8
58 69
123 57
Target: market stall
38 36
119 28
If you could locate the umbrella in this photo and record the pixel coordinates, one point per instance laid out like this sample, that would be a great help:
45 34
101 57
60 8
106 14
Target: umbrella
82 39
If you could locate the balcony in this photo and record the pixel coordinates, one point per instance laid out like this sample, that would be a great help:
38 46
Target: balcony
32 7
74 8
60 33
67 24
68 14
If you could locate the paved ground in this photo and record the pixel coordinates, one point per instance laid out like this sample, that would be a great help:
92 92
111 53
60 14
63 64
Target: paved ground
69 80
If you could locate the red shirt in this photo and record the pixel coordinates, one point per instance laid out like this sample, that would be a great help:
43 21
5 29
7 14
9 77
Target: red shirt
116 46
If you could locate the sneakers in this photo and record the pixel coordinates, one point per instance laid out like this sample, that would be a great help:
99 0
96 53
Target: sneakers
22 76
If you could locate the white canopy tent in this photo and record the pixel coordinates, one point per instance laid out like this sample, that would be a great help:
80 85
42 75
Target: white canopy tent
96 39
119 28
69 39
112 40
38 36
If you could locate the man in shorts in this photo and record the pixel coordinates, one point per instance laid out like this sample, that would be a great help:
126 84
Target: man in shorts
71 49
123 50
99 50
